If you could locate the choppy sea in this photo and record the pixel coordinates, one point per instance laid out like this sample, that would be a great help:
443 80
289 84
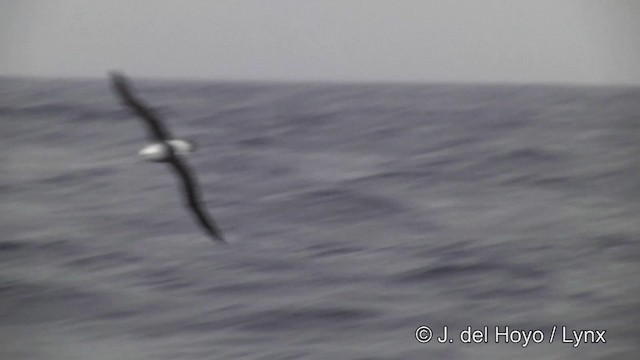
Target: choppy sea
355 214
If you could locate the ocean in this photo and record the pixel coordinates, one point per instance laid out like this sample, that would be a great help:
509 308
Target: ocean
356 215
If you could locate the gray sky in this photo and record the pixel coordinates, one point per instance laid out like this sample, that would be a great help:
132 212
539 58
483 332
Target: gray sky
567 41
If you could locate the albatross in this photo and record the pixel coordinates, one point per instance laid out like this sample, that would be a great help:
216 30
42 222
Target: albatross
165 148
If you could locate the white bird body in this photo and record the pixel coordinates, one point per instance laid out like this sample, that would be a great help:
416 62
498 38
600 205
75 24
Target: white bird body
159 151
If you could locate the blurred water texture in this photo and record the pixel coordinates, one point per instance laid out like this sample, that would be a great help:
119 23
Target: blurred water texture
356 213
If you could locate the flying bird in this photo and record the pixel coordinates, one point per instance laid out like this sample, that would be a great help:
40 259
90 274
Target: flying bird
165 148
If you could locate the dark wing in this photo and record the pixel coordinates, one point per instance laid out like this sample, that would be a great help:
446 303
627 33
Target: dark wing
122 87
192 197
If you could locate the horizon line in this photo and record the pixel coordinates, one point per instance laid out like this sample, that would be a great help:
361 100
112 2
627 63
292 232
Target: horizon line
346 82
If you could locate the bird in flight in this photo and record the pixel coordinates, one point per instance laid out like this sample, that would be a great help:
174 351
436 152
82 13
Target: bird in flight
164 148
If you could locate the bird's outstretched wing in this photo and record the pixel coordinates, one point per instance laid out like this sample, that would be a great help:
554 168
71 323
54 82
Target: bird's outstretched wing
124 90
193 197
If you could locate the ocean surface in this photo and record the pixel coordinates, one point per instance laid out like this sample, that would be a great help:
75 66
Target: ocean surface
355 215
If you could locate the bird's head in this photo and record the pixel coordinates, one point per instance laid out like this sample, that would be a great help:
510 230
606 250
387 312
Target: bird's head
182 147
